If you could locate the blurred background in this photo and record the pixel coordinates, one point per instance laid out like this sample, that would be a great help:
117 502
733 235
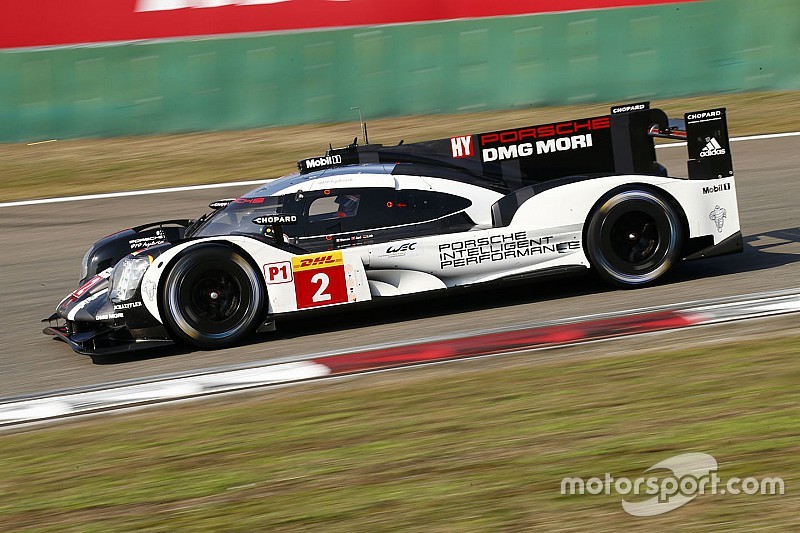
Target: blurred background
94 68
99 96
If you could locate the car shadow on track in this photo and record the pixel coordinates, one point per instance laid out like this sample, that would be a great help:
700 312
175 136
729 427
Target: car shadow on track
757 256
405 308
762 251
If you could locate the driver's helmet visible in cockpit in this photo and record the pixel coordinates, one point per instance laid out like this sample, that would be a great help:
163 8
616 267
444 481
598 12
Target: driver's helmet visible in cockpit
348 205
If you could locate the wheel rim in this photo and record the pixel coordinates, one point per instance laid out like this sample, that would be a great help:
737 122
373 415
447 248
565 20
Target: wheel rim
213 301
634 238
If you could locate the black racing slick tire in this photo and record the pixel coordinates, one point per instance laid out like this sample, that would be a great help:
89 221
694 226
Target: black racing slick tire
212 297
634 237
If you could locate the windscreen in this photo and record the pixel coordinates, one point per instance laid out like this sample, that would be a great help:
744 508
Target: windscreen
238 217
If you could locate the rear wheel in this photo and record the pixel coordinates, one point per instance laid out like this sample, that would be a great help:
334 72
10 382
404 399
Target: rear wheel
212 297
634 238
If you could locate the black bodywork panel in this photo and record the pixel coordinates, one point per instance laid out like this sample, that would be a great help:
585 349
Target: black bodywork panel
507 160
106 252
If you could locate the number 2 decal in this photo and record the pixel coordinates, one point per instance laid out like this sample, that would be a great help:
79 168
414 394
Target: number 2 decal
319 279
324 281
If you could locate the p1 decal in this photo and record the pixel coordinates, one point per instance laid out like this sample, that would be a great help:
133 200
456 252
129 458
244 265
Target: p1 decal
278 272
319 279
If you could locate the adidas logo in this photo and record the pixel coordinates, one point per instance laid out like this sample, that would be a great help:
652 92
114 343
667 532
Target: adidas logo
712 148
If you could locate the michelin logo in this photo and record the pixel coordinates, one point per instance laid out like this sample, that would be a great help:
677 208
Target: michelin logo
718 216
712 148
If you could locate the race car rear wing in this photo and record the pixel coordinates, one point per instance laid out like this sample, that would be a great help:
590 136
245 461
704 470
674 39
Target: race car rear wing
619 143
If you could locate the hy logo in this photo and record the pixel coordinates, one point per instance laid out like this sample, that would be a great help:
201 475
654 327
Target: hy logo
461 146
712 147
718 216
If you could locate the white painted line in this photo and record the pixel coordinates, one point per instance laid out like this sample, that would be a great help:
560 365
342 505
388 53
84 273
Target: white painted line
132 193
737 139
727 312
670 145
769 136
258 182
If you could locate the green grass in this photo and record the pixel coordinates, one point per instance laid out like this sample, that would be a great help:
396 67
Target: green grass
459 448
107 165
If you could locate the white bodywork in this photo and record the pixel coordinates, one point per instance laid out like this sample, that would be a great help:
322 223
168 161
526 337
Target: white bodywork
545 232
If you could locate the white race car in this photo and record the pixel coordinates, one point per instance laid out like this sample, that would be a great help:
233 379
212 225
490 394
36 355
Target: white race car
368 222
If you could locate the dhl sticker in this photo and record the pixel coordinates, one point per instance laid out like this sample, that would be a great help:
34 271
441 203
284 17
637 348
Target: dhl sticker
315 261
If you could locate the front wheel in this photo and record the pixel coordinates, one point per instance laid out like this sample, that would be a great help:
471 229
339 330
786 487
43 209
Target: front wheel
634 238
212 297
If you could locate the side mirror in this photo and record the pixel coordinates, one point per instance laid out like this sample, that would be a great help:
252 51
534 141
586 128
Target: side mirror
221 204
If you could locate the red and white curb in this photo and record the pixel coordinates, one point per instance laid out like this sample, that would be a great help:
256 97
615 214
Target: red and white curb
16 411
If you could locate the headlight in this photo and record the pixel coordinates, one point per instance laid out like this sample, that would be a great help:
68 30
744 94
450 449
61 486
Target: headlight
126 277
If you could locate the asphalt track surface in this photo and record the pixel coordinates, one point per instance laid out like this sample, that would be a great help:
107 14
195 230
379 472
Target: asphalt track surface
42 246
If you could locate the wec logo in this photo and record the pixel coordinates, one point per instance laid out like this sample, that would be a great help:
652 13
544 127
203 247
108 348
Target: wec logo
402 248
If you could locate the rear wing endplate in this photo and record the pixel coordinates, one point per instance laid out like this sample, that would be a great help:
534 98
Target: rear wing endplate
708 145
706 136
